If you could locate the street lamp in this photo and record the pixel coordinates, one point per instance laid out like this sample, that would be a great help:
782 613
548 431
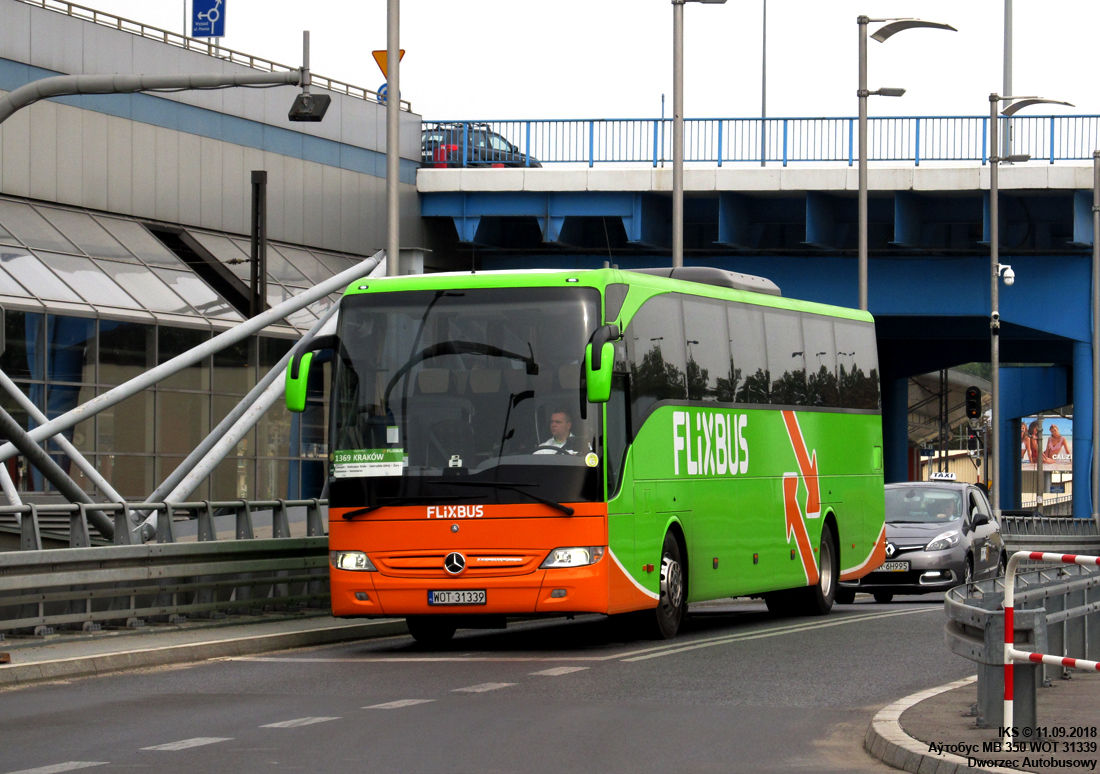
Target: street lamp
678 128
894 26
996 268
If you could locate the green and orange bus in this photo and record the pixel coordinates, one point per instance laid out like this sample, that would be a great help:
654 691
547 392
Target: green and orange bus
605 441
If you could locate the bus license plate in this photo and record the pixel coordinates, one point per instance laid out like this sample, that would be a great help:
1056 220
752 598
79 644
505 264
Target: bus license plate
894 567
468 597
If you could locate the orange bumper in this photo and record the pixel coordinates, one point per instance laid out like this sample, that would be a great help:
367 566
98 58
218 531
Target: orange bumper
375 594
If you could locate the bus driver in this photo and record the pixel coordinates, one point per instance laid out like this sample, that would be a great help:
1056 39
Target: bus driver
560 436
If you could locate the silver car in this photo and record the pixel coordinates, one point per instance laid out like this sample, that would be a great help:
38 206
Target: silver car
938 535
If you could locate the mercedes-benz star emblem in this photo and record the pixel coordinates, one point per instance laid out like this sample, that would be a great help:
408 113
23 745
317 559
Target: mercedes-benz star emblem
890 549
454 563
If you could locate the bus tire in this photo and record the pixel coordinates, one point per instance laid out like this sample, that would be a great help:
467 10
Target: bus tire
672 605
430 629
817 599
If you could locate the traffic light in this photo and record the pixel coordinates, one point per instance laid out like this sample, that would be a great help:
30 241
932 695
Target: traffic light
973 403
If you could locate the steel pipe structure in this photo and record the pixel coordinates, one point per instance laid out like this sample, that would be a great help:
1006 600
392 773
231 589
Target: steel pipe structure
87 468
182 481
179 362
38 457
1095 336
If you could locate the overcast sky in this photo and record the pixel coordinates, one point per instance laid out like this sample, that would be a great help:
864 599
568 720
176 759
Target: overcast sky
511 59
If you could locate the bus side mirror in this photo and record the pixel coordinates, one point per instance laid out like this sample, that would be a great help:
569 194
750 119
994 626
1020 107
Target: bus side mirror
297 372
599 363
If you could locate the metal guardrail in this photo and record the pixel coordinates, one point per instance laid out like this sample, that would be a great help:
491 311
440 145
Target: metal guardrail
89 587
1057 610
1028 530
201 46
788 140
64 521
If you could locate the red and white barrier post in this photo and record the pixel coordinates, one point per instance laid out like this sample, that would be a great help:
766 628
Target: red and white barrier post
1011 654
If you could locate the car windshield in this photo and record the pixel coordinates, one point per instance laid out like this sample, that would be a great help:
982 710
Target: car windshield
920 505
437 392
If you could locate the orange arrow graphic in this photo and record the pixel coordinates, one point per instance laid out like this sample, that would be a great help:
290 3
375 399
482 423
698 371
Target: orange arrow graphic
796 527
807 464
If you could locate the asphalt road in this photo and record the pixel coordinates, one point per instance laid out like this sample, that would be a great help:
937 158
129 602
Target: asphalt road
738 690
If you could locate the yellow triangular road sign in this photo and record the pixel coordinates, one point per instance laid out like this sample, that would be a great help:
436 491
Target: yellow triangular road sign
382 57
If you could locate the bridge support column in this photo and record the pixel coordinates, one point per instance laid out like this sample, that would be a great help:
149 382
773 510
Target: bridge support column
895 430
1082 430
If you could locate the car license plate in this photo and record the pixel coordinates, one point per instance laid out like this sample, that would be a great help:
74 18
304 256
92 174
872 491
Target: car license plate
467 597
894 567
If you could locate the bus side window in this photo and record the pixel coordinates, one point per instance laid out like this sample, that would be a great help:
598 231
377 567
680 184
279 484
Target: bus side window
708 351
821 373
857 364
786 357
616 434
657 351
749 379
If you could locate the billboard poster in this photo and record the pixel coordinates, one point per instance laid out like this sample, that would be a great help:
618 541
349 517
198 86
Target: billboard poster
1050 438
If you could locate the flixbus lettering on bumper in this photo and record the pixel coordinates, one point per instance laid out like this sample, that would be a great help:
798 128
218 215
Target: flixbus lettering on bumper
456 511
709 443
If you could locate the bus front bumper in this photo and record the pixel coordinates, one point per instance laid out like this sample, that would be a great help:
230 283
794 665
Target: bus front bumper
542 592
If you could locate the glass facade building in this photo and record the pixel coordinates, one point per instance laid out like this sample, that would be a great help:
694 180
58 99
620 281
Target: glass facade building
91 300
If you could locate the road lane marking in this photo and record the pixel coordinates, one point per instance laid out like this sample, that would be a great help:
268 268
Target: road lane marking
186 744
558 671
725 640
399 704
482 688
630 655
297 722
57 768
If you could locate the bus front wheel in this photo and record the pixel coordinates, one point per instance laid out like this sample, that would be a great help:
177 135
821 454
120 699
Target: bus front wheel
817 599
673 600
430 630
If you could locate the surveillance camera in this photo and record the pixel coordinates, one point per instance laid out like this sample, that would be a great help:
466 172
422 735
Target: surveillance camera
996 316
1010 276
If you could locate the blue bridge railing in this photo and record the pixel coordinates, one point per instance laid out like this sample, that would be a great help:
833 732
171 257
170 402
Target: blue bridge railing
722 141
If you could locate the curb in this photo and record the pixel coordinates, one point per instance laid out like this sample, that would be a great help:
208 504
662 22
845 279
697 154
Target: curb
87 666
887 741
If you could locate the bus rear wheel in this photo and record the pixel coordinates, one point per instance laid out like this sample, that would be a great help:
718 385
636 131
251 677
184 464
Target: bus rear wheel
430 630
817 599
672 604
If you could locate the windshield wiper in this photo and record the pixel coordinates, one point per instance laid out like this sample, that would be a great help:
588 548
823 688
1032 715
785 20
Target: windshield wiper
514 487
415 499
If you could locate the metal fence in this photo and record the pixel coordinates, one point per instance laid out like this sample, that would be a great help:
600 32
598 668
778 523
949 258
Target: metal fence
68 523
1057 610
722 141
207 47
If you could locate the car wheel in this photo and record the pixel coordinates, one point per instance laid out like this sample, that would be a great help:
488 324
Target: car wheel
430 630
672 604
844 596
969 577
882 597
1003 566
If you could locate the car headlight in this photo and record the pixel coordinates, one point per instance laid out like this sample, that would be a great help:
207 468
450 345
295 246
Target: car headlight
351 560
943 540
577 556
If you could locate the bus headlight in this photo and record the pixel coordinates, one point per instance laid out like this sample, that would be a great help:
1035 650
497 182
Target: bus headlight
351 560
943 541
577 556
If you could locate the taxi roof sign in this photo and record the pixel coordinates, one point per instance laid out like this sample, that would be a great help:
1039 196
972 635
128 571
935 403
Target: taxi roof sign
383 57
942 476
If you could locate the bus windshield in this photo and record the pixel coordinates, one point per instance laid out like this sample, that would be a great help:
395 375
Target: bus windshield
437 393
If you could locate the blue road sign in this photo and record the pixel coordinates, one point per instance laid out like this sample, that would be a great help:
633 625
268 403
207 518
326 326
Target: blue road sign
208 18
382 93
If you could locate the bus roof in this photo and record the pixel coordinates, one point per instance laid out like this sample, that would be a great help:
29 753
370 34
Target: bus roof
600 278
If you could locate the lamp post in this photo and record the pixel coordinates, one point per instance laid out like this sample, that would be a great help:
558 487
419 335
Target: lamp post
894 26
996 268
678 128
393 138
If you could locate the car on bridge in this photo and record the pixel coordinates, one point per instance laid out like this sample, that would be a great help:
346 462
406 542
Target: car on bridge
939 534
442 146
